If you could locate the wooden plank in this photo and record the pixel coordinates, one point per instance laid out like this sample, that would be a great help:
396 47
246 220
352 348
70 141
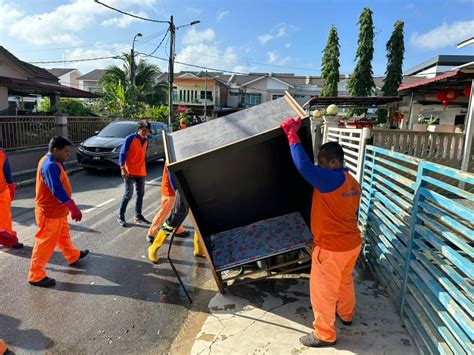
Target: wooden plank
427 303
429 284
442 231
451 288
450 205
468 178
443 217
451 254
455 190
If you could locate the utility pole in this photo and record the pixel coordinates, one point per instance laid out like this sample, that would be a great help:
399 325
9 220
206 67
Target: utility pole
172 30
205 96
132 60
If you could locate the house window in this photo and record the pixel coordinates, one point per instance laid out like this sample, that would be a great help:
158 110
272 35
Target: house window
252 99
277 96
180 95
209 95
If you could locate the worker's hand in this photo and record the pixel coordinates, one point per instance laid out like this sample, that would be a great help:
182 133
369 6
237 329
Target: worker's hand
76 213
124 173
291 127
12 188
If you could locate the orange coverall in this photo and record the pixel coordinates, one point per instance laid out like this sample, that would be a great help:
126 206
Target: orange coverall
336 198
168 196
5 195
51 218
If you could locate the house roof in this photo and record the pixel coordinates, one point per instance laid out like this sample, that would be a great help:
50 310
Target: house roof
60 71
32 71
445 60
94 75
25 87
457 79
352 101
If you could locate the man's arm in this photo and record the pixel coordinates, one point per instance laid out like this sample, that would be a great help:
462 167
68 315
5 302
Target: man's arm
322 179
7 172
51 176
124 150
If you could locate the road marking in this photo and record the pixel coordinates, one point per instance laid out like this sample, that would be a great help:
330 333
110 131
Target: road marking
153 181
98 206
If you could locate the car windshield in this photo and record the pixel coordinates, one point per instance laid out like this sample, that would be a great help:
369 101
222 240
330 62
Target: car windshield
118 130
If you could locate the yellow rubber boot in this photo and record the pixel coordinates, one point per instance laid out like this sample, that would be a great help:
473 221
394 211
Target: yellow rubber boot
198 247
157 243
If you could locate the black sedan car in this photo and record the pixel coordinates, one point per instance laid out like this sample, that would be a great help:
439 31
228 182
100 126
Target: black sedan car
103 149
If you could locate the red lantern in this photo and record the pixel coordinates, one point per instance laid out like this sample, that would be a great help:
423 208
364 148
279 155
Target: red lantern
447 95
467 90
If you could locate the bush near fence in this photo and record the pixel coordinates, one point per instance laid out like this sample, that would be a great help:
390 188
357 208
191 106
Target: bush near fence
417 219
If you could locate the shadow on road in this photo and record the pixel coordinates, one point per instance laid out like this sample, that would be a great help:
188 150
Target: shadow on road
31 339
129 278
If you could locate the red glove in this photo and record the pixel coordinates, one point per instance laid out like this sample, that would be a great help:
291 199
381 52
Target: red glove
76 213
12 188
8 240
291 127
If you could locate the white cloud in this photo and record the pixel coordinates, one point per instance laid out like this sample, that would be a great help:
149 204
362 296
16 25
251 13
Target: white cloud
265 38
221 15
279 31
444 35
193 36
99 51
8 15
62 24
275 59
202 49
287 45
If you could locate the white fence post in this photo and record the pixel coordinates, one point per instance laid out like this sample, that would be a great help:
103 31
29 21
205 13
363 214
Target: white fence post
364 137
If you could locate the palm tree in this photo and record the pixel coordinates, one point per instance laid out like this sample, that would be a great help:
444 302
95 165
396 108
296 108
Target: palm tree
147 90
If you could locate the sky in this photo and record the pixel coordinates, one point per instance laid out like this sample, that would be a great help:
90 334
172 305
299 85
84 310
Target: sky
240 35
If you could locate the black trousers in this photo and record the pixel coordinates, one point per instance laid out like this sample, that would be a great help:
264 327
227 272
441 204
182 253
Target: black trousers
179 212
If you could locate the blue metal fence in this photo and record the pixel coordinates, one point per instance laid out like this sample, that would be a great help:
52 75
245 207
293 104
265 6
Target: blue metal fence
417 218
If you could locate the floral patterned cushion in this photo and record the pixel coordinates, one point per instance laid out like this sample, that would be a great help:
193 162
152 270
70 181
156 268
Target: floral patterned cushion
259 240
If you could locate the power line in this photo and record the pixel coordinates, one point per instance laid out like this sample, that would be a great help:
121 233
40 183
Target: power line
257 63
130 14
159 45
73 60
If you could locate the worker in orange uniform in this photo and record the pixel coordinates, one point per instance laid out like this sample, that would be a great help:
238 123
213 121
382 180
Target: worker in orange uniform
53 203
168 196
8 237
175 219
337 240
133 167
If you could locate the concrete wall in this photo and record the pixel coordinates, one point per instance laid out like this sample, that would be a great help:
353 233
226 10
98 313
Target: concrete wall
27 159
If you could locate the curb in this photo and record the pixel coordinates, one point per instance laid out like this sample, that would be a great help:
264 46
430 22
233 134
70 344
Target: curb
32 181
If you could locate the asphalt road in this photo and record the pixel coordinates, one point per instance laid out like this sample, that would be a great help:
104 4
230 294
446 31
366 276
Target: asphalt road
114 301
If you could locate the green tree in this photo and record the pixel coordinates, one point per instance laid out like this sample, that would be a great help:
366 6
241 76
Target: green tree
67 106
146 90
395 53
361 82
330 65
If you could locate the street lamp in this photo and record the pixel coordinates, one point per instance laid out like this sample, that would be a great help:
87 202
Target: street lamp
172 29
132 63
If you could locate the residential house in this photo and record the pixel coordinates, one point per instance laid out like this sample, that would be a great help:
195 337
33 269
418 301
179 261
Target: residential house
67 76
438 65
21 83
90 81
205 93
